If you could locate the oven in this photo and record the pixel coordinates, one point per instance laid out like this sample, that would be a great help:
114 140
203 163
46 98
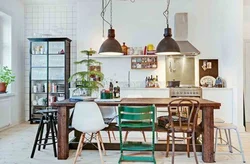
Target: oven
185 92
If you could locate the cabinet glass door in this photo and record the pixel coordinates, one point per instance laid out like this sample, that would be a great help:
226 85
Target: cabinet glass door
56 47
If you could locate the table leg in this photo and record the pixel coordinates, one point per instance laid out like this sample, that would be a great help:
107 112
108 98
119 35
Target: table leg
63 133
208 135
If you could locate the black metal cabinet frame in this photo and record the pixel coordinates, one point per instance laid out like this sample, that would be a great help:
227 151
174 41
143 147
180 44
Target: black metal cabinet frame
33 116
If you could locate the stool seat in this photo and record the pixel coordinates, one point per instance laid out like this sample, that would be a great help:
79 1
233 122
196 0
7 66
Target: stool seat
218 120
46 111
224 126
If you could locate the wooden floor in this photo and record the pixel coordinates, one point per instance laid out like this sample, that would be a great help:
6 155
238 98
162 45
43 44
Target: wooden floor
16 145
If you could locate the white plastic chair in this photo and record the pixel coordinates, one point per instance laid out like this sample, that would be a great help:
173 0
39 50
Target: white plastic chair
87 118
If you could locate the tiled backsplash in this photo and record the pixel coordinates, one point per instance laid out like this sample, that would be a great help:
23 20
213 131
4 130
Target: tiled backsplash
49 21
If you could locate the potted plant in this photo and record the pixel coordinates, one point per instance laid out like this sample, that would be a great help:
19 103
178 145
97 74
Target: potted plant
84 79
6 77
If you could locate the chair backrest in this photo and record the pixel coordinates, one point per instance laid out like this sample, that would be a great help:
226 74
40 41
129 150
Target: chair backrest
108 111
186 112
87 117
137 113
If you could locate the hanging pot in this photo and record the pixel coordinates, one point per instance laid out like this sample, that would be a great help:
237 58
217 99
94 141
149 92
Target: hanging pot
3 87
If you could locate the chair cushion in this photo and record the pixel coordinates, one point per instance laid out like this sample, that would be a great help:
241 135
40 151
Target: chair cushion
163 120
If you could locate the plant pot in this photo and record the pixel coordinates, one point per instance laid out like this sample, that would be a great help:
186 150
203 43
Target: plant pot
3 87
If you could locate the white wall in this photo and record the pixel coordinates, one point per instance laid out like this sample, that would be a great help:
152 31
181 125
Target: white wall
246 12
15 9
215 28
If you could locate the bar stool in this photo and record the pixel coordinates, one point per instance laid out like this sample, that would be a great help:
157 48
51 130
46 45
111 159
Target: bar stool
49 119
228 127
219 120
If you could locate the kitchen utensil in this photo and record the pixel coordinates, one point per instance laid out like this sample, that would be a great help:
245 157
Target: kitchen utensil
173 83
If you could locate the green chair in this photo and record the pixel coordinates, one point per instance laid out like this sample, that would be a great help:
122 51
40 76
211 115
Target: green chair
136 118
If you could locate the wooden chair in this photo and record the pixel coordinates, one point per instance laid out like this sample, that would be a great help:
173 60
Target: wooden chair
178 123
136 118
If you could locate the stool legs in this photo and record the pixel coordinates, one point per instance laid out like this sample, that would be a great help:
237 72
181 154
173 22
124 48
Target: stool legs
46 136
36 139
53 134
229 142
241 149
41 136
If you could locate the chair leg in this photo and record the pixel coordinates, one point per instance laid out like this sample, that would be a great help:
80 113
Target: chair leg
167 149
144 136
41 136
114 135
91 137
78 148
194 149
230 141
83 136
99 147
103 148
173 147
109 136
241 149
188 145
126 136
36 139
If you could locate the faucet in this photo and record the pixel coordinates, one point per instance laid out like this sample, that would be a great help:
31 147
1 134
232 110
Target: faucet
128 78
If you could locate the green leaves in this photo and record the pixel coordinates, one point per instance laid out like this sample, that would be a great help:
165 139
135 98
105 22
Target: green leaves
84 79
85 61
6 75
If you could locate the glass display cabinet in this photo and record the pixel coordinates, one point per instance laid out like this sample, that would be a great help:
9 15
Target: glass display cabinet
49 73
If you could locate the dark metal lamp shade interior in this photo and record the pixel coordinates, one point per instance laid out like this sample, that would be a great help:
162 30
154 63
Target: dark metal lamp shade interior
168 46
111 46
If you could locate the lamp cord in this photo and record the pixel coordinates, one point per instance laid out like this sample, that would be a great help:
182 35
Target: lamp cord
111 11
103 13
166 13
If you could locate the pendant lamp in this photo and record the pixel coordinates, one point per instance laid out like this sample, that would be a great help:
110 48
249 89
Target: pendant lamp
167 46
110 46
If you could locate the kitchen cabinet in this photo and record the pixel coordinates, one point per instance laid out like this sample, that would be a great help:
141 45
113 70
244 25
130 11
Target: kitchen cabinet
49 73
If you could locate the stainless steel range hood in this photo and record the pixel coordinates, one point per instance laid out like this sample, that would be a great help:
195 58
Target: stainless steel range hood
181 35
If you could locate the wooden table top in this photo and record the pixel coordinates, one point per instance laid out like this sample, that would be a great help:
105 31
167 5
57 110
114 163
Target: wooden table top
158 102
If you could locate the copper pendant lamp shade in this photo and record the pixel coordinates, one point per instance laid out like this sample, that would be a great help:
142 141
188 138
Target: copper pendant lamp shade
111 46
168 45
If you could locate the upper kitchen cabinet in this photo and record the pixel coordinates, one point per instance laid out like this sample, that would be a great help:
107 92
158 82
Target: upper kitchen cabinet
49 73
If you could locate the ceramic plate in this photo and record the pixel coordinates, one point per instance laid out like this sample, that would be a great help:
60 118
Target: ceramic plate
207 80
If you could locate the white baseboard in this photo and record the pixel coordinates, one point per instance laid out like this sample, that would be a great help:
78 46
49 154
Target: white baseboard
10 126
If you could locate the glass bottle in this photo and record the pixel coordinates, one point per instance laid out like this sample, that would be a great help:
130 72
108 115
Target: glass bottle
124 49
117 90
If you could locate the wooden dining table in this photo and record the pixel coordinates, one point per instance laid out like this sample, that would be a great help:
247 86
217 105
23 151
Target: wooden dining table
207 108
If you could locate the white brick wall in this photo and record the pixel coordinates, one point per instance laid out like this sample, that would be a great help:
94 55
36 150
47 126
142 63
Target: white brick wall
60 20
